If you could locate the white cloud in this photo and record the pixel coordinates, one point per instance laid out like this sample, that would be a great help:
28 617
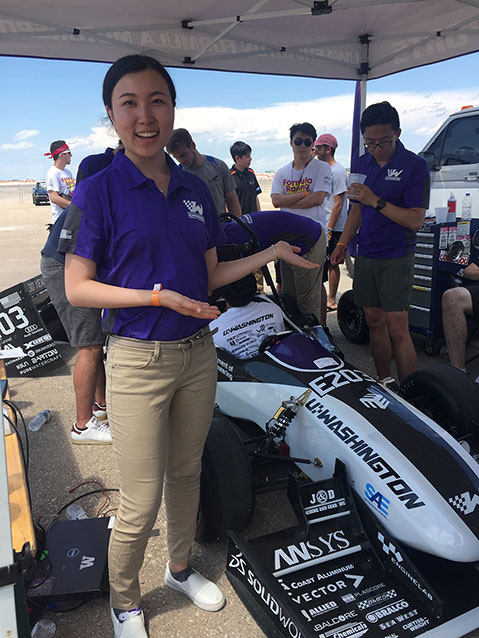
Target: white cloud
216 128
99 138
24 134
16 146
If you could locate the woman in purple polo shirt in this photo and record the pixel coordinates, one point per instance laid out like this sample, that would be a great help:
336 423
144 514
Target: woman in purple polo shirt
141 241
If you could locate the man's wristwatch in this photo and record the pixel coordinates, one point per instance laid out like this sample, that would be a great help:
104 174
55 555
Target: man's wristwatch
381 203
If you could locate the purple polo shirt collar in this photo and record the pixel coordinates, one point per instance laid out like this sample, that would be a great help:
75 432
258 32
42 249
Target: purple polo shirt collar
134 177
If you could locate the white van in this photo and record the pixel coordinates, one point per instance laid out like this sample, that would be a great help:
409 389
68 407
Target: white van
453 158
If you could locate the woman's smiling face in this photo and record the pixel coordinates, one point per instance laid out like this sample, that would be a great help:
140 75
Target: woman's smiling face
142 113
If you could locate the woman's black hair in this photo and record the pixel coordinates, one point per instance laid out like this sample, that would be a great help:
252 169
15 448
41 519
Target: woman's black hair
134 64
380 113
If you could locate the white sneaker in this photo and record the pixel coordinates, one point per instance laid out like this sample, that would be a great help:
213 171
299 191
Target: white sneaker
390 383
99 411
130 624
95 433
204 594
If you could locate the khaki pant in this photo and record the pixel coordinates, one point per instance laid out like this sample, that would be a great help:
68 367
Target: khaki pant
160 398
304 286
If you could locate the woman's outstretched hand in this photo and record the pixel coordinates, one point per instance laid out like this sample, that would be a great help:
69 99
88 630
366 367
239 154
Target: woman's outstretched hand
186 306
288 253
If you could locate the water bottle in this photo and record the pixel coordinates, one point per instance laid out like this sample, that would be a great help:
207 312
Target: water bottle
36 423
466 208
451 208
44 628
76 512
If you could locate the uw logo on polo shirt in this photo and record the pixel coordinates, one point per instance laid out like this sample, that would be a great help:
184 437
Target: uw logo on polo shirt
194 210
394 175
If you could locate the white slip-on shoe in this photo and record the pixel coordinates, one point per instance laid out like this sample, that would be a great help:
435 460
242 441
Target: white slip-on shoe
129 624
201 591
96 433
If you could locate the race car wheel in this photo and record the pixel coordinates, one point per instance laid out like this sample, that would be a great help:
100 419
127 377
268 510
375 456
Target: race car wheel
227 494
446 395
351 319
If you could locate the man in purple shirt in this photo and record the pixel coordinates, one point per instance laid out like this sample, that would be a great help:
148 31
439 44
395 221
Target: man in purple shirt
92 164
303 286
387 209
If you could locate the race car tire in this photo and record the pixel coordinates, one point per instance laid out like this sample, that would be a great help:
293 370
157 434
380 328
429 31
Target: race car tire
445 394
351 319
227 494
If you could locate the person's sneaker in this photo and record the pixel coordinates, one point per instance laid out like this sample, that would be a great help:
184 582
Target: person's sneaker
95 433
99 411
128 624
390 383
204 594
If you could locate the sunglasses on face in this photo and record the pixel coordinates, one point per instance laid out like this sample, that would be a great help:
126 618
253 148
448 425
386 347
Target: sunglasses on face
299 140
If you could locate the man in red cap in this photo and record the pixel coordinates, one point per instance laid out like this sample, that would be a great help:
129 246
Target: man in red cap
336 207
60 182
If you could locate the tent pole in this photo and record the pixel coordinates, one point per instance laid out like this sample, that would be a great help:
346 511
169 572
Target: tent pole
364 87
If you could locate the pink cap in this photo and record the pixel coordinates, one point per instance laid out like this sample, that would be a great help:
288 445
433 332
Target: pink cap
326 139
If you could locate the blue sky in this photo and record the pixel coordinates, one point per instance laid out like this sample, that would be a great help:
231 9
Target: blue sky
44 100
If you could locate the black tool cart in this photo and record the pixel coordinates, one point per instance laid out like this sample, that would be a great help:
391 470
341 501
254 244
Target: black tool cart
442 251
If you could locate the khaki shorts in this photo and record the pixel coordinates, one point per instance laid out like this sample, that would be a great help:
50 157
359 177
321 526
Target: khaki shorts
383 283
82 325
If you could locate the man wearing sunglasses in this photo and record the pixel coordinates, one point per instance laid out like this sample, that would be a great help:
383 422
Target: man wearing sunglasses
300 187
60 182
387 209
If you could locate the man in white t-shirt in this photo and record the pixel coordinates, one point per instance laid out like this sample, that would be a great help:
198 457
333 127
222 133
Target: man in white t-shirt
336 207
301 186
60 182
246 323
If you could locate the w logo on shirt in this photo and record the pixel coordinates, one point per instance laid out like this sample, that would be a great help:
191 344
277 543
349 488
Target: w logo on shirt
194 210
394 175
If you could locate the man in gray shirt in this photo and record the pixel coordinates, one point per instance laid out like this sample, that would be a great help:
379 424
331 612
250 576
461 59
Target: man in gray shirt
211 170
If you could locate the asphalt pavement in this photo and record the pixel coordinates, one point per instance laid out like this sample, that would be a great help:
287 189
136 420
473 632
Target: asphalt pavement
56 466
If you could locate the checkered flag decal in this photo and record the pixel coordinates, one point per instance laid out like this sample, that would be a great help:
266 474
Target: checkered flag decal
461 502
365 604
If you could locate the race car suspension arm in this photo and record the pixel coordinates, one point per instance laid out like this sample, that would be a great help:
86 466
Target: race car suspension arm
276 457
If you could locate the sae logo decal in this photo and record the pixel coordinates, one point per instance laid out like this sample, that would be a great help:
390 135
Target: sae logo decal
377 500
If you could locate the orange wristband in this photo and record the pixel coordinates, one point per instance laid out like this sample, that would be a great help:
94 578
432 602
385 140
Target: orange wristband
155 294
306 193
340 243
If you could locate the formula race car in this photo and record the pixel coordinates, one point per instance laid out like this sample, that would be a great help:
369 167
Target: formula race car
386 498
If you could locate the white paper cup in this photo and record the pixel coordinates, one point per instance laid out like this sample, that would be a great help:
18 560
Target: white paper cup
441 214
356 178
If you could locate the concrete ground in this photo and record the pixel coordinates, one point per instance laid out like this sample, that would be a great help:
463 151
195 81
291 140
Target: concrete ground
56 466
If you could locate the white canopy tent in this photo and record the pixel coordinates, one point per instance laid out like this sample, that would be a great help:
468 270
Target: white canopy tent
341 39
336 39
